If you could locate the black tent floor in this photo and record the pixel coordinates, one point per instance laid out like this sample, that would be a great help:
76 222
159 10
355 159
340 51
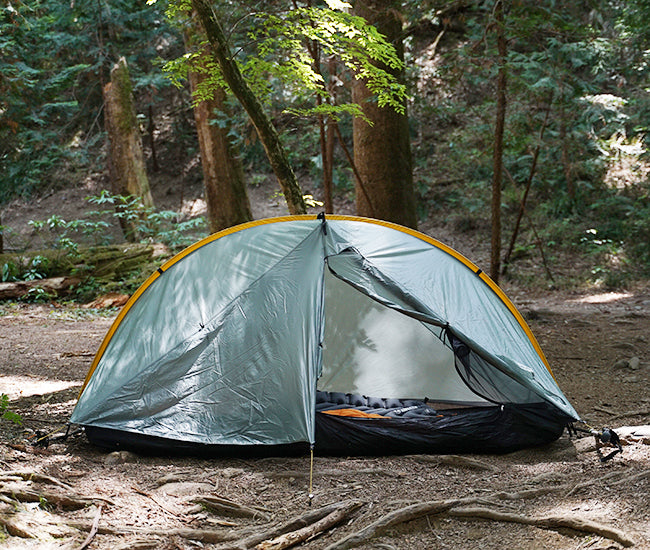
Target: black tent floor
480 430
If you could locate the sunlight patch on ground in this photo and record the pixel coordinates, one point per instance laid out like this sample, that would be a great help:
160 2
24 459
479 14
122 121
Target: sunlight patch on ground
24 386
605 298
196 207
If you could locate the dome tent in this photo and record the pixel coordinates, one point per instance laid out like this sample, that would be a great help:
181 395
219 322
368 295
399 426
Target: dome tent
356 335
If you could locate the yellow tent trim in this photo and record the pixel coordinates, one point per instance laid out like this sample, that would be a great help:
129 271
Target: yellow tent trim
414 233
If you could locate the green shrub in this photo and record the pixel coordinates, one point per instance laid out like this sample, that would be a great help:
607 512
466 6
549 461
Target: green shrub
5 413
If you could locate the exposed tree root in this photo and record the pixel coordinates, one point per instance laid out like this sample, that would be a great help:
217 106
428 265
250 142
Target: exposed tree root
227 538
633 479
148 543
457 461
204 535
628 414
582 525
396 517
296 523
295 537
612 478
225 506
66 502
14 529
528 493
160 505
33 476
93 530
29 449
298 474
453 508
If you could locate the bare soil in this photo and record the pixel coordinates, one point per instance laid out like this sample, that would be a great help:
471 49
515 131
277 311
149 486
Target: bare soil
146 502
596 342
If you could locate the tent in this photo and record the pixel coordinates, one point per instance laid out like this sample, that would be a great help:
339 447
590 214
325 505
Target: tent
353 335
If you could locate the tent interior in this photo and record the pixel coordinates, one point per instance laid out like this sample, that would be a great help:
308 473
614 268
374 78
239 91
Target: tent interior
373 350
382 364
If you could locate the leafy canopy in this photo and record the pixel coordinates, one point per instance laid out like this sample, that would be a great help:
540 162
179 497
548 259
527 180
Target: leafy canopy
54 58
280 57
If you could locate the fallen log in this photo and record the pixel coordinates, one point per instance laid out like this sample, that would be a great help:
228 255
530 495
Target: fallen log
110 265
53 285
583 525
295 537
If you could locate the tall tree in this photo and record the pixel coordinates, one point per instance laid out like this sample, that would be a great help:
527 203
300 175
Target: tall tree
54 60
382 147
279 60
223 175
497 178
126 160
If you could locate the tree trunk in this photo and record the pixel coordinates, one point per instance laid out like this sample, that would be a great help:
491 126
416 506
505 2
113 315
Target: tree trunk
266 131
327 140
127 167
330 140
151 131
328 180
564 146
382 152
223 174
495 260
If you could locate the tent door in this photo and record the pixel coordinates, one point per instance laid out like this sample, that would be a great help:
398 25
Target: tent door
374 349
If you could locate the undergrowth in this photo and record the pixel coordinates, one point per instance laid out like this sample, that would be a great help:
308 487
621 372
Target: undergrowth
68 246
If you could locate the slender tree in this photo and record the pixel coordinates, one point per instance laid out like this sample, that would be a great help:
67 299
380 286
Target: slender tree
266 131
495 257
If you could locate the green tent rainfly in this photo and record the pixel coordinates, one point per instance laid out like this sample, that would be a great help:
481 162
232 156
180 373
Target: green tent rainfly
355 335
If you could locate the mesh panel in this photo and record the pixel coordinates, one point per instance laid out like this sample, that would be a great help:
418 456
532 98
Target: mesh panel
488 381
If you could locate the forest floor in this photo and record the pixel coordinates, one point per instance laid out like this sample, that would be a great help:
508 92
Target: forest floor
556 497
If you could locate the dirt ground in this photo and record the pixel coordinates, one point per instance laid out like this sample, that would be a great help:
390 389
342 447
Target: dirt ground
150 502
596 343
